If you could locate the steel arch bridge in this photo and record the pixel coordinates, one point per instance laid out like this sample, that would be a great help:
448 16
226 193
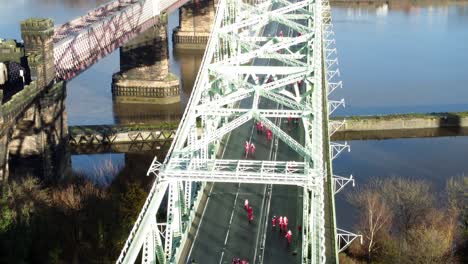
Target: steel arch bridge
300 86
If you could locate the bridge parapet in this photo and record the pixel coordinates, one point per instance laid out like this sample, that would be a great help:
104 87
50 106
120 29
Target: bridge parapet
18 103
10 50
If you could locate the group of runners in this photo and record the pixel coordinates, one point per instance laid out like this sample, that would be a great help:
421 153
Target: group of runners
283 226
239 261
249 146
261 128
282 221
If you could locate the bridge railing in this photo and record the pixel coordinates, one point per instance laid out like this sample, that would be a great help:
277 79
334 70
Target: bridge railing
19 102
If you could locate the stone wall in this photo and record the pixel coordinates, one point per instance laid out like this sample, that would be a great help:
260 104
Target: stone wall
146 56
402 122
11 51
40 133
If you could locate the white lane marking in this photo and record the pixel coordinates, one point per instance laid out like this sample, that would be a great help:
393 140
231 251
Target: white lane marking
230 223
221 259
206 205
199 225
260 227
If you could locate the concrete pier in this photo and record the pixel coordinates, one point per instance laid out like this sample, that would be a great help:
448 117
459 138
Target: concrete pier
196 20
144 75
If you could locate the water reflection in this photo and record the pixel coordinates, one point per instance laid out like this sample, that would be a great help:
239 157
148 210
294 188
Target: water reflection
401 61
431 159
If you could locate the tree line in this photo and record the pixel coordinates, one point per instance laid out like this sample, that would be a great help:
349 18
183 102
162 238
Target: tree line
71 221
404 221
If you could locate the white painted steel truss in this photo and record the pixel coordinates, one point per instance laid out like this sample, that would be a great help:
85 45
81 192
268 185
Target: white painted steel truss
339 182
227 76
345 239
335 125
337 148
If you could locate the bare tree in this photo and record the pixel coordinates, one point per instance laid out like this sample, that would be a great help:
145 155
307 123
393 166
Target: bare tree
375 217
431 241
410 200
457 190
457 204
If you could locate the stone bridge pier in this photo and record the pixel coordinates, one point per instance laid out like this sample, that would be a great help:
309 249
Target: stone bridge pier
33 119
144 76
37 143
196 19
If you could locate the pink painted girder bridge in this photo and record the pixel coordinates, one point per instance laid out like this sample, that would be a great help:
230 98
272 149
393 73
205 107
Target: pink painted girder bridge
83 41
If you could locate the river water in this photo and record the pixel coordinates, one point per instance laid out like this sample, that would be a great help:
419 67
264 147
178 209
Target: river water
394 58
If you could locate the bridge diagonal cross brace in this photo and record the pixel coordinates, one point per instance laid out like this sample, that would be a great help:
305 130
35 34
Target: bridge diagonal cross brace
265 61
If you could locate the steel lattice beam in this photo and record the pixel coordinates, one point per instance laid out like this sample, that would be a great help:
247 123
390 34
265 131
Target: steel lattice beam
239 171
80 43
226 77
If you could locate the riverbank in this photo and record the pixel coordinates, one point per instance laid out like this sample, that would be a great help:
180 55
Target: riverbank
410 125
404 121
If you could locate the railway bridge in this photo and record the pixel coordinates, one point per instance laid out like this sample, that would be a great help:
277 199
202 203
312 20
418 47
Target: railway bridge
266 62
269 62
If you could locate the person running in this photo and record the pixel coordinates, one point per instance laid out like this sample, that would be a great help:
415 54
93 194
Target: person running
281 223
268 132
261 128
288 236
273 221
285 223
250 214
250 210
246 146
252 148
246 204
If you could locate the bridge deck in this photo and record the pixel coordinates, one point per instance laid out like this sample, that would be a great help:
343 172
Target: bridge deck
225 232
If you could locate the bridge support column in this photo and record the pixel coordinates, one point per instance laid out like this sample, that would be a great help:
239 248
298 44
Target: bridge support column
37 34
41 135
144 75
196 20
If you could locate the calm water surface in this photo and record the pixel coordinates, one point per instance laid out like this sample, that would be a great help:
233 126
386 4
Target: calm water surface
431 159
403 58
392 59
